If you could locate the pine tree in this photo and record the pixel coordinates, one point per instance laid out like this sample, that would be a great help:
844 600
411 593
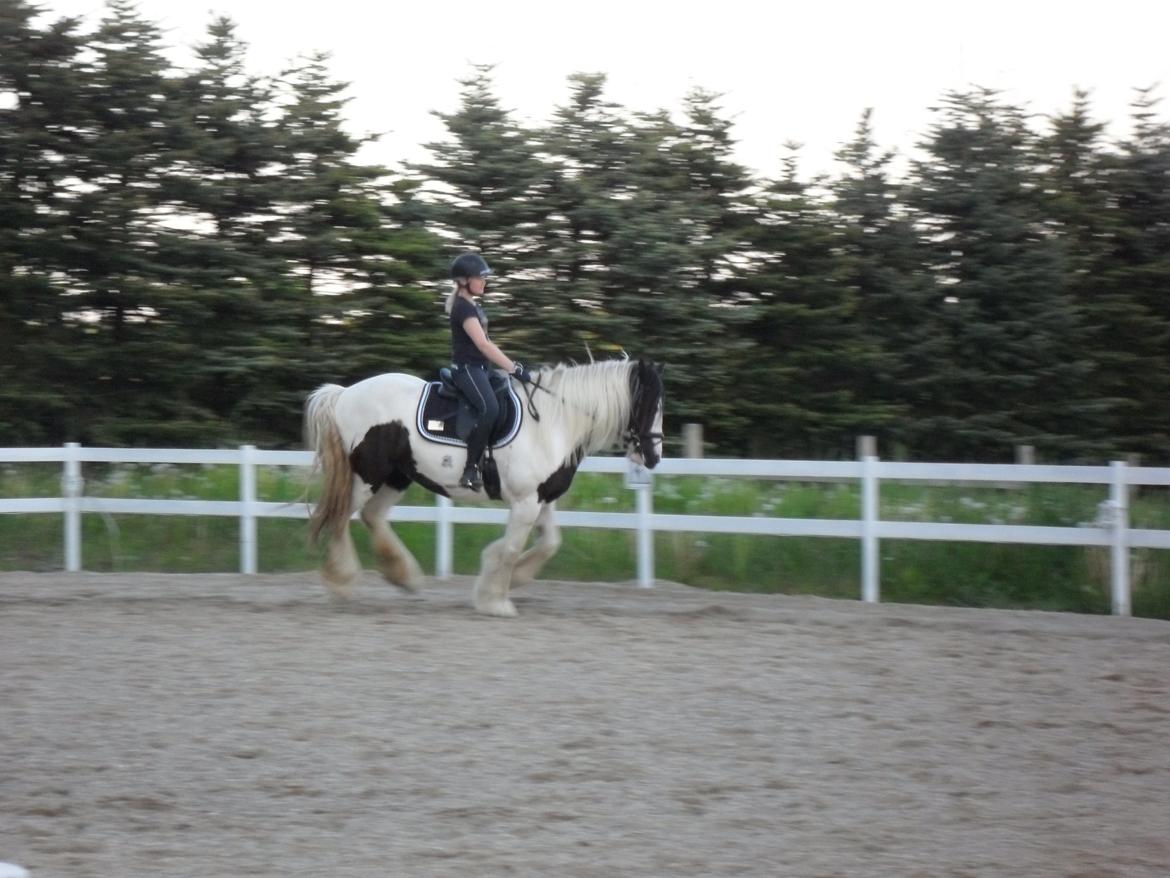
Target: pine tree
883 264
346 302
712 215
802 379
1011 365
220 185
1082 210
1138 286
588 153
39 84
128 302
649 221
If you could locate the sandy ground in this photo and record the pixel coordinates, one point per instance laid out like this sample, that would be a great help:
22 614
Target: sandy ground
156 726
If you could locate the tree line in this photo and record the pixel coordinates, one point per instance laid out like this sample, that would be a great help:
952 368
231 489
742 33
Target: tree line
185 252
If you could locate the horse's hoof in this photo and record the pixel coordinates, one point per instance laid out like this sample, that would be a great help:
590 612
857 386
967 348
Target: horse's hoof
505 608
340 597
410 585
340 590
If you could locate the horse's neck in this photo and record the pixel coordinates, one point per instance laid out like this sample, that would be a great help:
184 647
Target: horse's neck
595 407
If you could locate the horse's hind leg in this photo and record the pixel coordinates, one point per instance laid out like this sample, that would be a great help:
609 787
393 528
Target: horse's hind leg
397 564
342 568
545 547
499 560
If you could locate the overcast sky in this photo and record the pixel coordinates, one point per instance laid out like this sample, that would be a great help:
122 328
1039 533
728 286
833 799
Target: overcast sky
788 71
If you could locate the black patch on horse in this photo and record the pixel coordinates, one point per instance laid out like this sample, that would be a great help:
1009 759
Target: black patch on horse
444 416
383 457
556 484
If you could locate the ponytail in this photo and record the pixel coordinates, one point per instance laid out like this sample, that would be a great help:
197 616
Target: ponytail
450 302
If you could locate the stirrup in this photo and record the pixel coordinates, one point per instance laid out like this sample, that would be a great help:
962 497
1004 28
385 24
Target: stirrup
471 479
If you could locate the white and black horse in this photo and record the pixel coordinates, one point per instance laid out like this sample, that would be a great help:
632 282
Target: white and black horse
371 441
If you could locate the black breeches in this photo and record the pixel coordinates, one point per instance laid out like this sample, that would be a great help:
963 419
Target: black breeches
473 383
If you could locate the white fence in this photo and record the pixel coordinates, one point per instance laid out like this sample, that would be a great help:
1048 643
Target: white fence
1111 531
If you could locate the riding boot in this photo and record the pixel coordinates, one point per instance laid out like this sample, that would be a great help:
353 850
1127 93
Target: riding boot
471 478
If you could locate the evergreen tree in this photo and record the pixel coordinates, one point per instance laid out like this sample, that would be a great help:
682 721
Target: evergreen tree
803 377
39 84
1136 287
398 322
346 303
220 185
689 182
1011 366
649 222
128 301
727 214
1082 210
883 264
588 157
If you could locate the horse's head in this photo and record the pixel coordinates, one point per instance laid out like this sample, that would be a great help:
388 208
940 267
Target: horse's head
644 432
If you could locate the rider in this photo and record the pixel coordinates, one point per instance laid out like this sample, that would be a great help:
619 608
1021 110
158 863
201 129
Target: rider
473 353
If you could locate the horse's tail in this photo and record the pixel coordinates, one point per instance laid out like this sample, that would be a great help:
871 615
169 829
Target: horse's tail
332 510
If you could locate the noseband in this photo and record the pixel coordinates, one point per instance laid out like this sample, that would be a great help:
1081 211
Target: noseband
641 442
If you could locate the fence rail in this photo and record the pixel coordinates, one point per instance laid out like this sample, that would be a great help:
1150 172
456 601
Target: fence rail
1111 530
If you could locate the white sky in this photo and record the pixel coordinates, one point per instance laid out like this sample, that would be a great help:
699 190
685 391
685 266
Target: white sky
788 71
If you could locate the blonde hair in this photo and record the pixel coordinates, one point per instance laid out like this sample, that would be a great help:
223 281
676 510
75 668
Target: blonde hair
449 302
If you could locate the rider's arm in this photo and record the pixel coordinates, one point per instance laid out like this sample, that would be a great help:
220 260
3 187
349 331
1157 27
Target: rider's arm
486 346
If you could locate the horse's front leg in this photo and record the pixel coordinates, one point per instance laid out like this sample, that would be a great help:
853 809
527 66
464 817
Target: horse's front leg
499 559
545 547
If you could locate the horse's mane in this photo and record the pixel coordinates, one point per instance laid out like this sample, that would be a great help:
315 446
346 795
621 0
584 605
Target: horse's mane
593 400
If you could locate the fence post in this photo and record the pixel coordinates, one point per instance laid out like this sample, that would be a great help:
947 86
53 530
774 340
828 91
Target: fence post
1132 460
247 510
870 578
645 535
641 481
444 540
71 488
692 436
1119 500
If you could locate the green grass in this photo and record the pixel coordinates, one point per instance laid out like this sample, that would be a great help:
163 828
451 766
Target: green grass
960 574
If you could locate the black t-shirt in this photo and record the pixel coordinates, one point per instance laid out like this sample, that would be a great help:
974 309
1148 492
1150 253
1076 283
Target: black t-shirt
463 349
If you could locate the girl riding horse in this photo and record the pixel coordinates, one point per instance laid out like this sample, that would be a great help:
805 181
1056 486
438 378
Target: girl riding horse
370 444
473 353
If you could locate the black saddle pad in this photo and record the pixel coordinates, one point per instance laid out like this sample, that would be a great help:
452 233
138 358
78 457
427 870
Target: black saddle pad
448 421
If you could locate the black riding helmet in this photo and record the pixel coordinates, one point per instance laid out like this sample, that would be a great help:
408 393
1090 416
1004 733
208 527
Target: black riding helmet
468 265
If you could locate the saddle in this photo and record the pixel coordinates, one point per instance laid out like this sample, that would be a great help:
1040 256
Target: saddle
446 417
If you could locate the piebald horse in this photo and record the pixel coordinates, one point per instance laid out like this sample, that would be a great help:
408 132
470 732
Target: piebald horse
370 446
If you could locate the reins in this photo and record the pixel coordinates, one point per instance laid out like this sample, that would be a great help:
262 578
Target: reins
530 391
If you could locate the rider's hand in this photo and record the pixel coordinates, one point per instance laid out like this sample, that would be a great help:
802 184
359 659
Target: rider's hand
520 373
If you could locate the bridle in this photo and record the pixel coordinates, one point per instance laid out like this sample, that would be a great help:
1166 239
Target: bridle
641 442
641 439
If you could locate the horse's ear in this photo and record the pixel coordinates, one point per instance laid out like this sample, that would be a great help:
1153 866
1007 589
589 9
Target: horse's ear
659 367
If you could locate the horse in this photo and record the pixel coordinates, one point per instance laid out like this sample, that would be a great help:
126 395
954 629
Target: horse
370 445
